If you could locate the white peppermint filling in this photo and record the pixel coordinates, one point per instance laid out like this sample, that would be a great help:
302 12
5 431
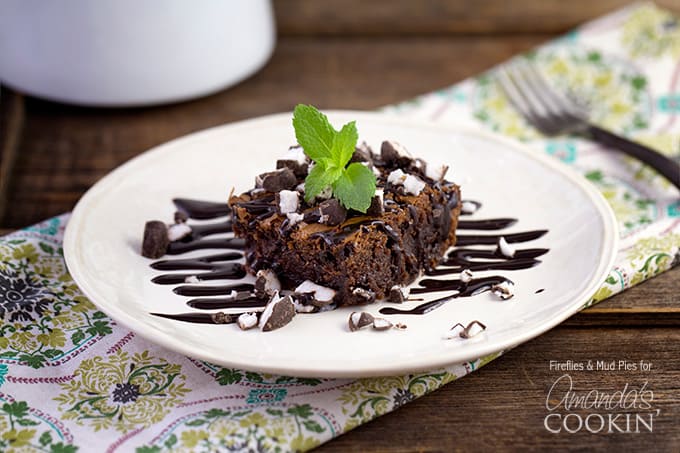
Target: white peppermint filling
300 308
247 321
320 293
503 290
436 171
466 276
468 207
178 231
300 187
361 292
289 200
294 218
295 153
396 177
271 281
191 279
381 324
380 194
413 185
506 249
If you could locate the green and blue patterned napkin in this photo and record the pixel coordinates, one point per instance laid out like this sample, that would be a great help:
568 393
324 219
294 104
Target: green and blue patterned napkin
72 379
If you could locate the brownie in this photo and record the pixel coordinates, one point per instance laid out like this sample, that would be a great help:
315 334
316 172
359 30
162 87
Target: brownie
362 256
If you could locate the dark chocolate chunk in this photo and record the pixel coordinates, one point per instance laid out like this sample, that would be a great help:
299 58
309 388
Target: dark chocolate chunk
363 295
155 242
181 217
361 155
332 212
282 312
359 320
266 283
398 294
275 181
306 303
300 170
376 208
223 318
392 156
311 215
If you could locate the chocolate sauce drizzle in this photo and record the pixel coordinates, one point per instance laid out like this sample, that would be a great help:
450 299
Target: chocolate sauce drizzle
201 210
240 295
475 260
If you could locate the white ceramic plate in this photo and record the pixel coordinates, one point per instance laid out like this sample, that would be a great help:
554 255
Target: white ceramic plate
103 239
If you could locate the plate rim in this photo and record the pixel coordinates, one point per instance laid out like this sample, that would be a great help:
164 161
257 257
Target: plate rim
609 244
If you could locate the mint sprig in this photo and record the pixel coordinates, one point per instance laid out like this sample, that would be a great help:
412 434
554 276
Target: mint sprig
353 185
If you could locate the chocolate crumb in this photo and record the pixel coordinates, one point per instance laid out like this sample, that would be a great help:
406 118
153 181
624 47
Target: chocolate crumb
332 211
181 217
278 312
400 326
222 318
398 294
361 155
276 181
363 295
155 242
359 320
266 283
298 169
503 290
376 208
394 154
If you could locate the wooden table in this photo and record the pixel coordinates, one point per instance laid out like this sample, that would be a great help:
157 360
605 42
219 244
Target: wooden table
363 55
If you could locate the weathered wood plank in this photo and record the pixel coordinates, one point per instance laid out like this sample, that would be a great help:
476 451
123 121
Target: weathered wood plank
503 406
11 124
438 17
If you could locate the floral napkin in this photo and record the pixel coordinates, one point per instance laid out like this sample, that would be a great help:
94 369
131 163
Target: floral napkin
72 379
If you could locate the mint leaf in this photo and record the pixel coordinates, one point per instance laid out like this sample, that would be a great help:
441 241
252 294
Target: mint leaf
313 132
344 144
353 186
319 178
356 187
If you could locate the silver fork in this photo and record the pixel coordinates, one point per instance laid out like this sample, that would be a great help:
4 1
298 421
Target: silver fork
552 113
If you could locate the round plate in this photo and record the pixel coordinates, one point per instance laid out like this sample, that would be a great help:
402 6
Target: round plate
102 249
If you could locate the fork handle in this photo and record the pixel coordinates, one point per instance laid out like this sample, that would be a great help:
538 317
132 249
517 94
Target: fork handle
662 164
